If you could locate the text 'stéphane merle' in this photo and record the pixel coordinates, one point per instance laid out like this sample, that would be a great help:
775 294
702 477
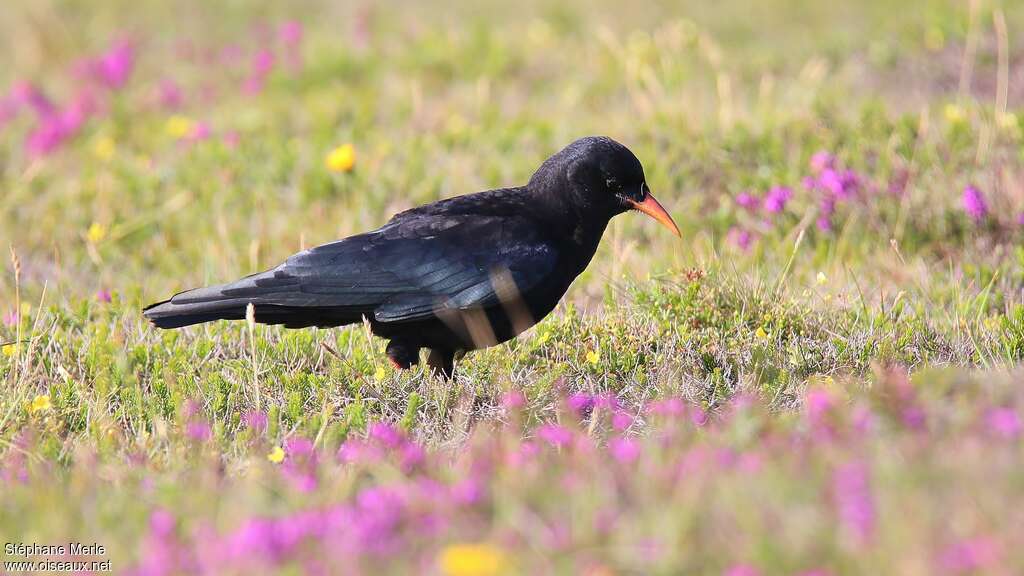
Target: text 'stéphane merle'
456 275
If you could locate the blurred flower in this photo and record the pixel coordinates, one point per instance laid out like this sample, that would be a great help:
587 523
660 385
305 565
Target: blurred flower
739 237
40 403
742 570
10 349
26 94
104 295
256 420
624 450
974 204
276 455
96 233
580 402
746 200
115 66
200 131
179 126
1004 423
969 556
593 356
198 430
169 94
472 560
954 114
820 279
822 160
46 137
555 434
341 159
11 318
104 147
513 400
853 499
776 199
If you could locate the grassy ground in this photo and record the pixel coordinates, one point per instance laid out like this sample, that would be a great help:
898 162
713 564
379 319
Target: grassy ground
820 378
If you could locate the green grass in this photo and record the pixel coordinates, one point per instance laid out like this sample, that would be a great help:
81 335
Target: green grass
715 99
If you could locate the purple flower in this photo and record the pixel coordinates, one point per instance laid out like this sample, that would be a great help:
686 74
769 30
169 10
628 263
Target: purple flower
115 66
103 295
291 33
47 137
256 420
201 131
386 435
513 400
853 499
11 318
198 430
621 420
974 204
776 199
969 556
821 161
1004 423
580 402
746 200
742 570
169 94
624 450
25 94
555 434
739 237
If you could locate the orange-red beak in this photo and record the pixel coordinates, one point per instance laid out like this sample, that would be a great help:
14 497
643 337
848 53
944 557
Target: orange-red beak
653 208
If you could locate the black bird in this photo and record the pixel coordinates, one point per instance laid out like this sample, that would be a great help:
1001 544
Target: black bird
455 275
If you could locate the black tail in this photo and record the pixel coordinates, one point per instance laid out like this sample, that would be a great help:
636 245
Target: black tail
270 307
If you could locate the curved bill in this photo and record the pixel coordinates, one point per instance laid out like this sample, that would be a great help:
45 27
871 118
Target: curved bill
653 208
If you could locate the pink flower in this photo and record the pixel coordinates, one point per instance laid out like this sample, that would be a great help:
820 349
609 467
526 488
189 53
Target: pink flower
969 556
11 318
25 94
198 430
821 161
853 499
621 420
200 132
580 402
115 66
169 94
103 295
256 420
513 400
739 237
1004 423
231 139
291 33
746 200
555 435
974 204
624 450
776 199
742 570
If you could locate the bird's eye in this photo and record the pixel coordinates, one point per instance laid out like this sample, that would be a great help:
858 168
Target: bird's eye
611 183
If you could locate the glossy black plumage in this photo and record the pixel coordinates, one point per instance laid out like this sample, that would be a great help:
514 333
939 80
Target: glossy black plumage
454 275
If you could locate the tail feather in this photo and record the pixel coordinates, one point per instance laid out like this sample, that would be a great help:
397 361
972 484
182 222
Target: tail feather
271 306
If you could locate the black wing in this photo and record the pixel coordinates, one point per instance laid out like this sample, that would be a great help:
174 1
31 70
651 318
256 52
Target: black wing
410 269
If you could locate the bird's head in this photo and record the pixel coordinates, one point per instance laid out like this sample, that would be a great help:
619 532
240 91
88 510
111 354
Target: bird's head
597 175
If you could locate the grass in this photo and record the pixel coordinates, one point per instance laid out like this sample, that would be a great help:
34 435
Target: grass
831 386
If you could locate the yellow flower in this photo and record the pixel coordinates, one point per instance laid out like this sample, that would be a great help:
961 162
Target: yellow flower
9 349
40 403
472 560
761 334
276 455
179 126
594 356
341 159
104 148
379 373
544 338
934 39
954 114
820 278
97 232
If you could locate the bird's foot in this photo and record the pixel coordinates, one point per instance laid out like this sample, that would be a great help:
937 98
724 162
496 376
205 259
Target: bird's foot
441 362
402 355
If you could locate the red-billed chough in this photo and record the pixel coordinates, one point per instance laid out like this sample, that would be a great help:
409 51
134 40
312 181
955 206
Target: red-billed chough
455 275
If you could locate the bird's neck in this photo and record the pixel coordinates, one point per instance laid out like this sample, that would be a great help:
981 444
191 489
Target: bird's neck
574 225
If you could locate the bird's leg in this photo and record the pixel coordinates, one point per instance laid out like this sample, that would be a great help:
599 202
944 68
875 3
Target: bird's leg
402 354
441 362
